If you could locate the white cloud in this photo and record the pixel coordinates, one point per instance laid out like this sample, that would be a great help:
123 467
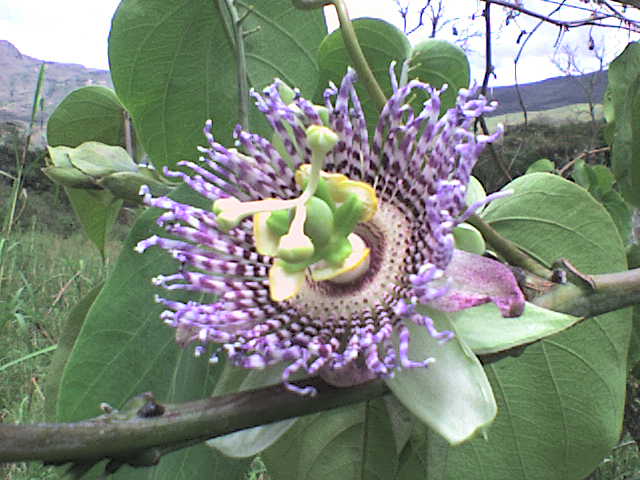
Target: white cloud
76 31
70 31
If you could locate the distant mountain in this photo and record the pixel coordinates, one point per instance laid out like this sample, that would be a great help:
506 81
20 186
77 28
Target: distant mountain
551 93
19 73
18 77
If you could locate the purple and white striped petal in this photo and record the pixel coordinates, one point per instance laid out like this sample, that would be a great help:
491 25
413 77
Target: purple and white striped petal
419 164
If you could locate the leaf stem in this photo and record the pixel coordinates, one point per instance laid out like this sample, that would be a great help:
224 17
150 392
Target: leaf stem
241 63
357 56
509 250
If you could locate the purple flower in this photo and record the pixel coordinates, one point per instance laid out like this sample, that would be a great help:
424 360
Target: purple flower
326 285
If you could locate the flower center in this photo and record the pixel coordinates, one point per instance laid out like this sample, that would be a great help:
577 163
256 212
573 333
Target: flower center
312 234
387 235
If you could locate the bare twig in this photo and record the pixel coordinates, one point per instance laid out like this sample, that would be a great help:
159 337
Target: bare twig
594 18
485 83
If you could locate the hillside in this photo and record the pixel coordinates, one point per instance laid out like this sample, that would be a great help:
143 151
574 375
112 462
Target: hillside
551 93
18 77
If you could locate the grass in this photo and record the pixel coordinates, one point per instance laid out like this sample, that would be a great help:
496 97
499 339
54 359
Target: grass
556 116
42 275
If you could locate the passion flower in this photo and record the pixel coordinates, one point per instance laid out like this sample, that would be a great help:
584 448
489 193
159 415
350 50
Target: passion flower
320 249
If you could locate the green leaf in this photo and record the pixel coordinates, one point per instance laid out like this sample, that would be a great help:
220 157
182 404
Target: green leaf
634 345
623 106
560 403
433 61
349 443
620 213
582 174
97 159
604 179
249 442
67 340
424 457
452 396
542 165
475 193
124 349
97 211
92 113
381 43
437 63
485 330
174 65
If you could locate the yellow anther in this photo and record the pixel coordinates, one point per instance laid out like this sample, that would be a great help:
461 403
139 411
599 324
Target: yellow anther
340 186
365 193
333 179
356 264
265 240
284 285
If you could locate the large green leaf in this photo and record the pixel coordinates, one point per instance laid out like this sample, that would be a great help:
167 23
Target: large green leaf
432 61
174 65
560 403
452 396
437 63
92 113
97 211
349 443
485 330
623 114
124 349
66 342
381 43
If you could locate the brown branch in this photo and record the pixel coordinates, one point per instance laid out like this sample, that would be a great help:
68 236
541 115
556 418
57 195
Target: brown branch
497 159
593 19
141 437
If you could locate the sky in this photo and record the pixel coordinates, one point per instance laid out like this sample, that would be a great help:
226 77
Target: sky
76 31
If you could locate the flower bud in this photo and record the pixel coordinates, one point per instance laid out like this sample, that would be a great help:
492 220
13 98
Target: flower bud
126 186
69 177
469 239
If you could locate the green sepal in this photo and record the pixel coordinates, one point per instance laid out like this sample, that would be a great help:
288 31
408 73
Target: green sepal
348 215
279 221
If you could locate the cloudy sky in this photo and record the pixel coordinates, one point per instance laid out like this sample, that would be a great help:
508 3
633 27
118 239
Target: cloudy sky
75 31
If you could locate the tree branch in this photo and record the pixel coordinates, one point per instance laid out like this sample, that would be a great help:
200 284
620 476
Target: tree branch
593 19
488 71
133 438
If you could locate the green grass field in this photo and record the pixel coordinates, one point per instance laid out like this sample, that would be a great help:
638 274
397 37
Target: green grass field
557 116
42 275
